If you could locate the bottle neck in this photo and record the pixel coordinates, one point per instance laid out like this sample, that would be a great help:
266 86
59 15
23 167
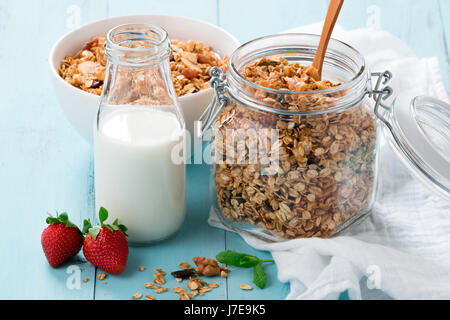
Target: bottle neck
137 45
138 70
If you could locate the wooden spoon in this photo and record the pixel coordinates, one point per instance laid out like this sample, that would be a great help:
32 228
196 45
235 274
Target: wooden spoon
332 15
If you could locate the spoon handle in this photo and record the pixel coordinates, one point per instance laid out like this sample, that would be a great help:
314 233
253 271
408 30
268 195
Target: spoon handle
332 15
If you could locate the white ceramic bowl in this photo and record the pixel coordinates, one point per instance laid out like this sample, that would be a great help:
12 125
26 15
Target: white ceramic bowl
81 107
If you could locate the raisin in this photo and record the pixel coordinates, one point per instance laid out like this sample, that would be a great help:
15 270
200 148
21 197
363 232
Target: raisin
96 84
183 274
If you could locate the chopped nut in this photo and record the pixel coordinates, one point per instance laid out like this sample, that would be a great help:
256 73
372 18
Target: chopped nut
101 276
206 267
142 268
137 295
213 285
149 297
85 280
223 274
245 287
184 265
179 279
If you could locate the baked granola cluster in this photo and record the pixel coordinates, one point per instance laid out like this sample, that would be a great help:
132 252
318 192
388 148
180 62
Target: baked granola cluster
318 173
190 63
86 70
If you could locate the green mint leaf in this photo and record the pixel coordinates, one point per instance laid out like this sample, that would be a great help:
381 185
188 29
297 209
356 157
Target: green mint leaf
259 276
248 261
229 257
102 215
237 259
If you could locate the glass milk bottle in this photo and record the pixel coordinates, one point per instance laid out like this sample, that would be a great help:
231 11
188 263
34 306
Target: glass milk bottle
139 136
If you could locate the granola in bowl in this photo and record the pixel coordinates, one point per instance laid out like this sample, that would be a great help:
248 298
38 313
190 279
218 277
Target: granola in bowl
190 63
318 173
86 69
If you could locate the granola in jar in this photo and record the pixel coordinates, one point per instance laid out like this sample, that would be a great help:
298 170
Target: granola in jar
317 174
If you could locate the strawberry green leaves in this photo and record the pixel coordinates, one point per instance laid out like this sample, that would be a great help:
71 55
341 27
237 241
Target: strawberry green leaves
60 218
102 217
89 229
242 260
116 226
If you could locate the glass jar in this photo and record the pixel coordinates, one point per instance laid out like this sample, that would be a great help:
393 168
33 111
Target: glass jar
139 136
294 164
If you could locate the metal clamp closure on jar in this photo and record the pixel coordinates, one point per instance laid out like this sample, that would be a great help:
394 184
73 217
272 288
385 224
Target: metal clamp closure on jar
219 84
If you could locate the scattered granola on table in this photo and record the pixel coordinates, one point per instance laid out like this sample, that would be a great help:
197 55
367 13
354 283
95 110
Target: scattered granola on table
206 267
101 276
184 265
246 287
197 287
149 285
158 278
160 289
183 274
137 295
326 169
190 63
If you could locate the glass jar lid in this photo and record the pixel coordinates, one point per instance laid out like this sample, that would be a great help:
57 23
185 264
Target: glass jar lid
420 136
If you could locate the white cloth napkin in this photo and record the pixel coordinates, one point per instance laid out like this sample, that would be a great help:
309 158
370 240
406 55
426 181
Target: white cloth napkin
402 250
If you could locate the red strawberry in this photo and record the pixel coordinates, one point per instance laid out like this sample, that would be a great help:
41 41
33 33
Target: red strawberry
61 240
106 246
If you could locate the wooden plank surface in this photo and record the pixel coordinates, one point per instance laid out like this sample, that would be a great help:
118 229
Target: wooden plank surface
46 166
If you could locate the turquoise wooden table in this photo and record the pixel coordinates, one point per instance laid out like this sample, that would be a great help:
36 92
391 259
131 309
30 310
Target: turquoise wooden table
45 166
